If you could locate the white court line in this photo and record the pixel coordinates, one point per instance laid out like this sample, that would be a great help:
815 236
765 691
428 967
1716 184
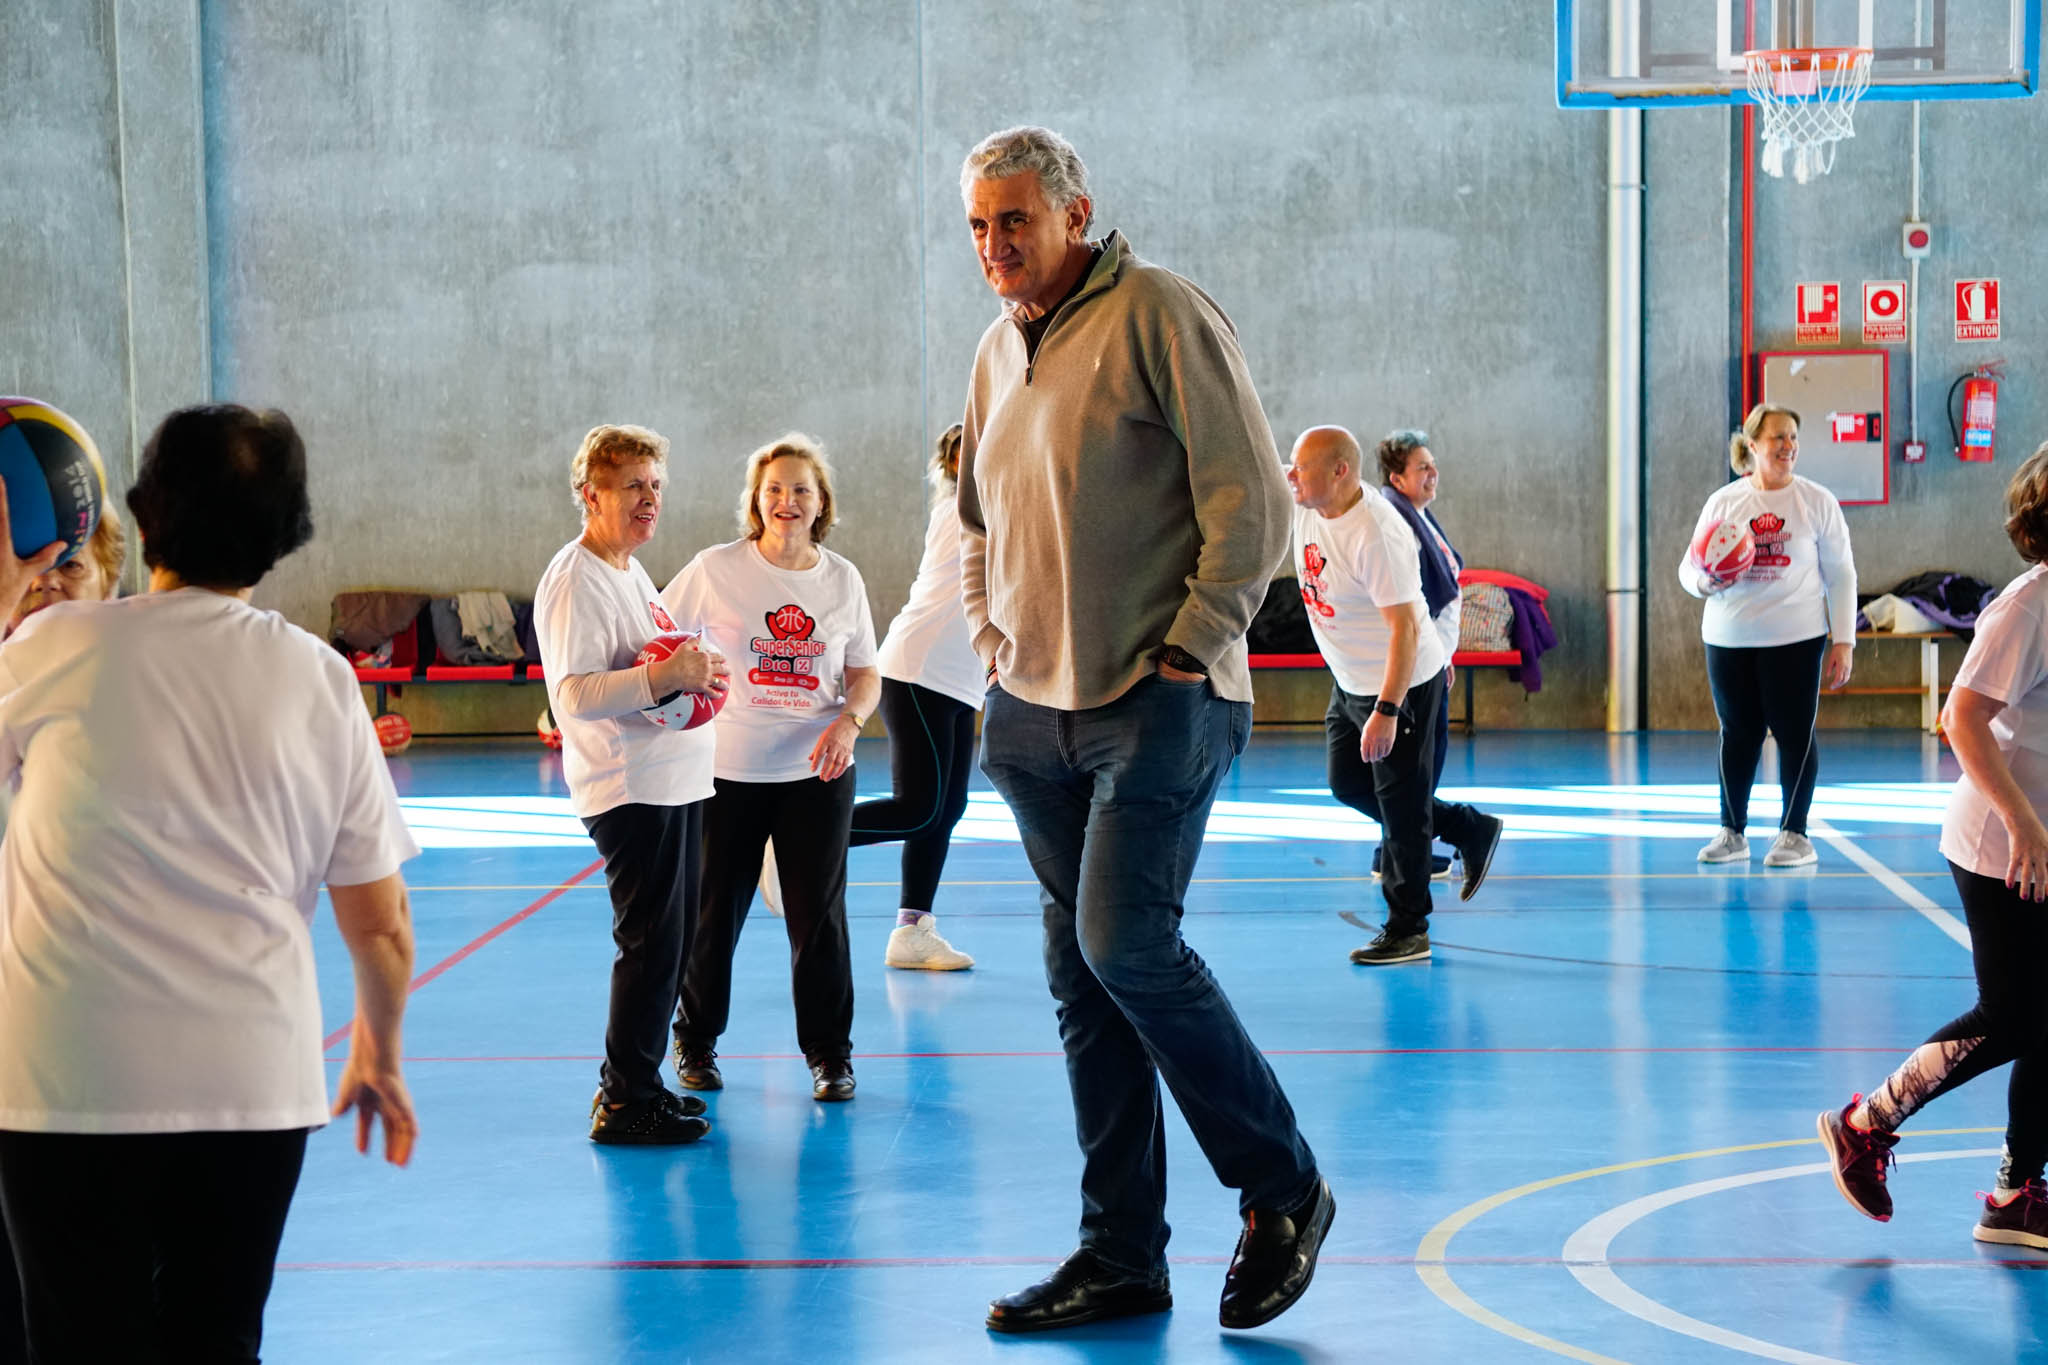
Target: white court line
1585 1255
1892 882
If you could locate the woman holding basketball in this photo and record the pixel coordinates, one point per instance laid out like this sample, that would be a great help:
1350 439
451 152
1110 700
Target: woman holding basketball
1775 627
638 787
91 575
796 614
932 686
1997 849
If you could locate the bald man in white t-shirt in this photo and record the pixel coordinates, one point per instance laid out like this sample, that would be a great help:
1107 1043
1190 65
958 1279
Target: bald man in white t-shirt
1361 581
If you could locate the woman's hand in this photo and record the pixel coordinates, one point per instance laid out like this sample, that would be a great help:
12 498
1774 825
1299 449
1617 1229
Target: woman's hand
692 668
1710 585
2026 871
1836 669
832 755
18 575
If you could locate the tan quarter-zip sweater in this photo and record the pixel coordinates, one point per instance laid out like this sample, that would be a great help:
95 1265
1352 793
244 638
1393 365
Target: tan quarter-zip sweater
1119 491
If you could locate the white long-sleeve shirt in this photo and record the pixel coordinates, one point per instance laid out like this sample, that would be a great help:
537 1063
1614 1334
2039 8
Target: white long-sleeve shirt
1803 582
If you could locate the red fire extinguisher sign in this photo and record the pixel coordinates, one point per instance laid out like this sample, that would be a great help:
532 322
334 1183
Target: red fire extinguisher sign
1976 310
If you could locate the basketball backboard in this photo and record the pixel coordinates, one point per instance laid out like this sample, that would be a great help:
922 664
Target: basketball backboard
1652 53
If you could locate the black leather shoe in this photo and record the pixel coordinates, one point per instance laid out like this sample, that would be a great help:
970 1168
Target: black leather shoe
697 1067
689 1106
658 1121
1275 1260
1083 1289
1478 855
831 1079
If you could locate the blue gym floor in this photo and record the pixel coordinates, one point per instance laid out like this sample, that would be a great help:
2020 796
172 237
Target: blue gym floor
1585 1129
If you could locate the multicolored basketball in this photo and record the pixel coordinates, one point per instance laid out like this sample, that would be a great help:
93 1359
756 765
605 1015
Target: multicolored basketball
56 485
677 710
1724 550
549 732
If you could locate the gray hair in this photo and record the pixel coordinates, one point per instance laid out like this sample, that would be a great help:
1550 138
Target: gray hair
1041 151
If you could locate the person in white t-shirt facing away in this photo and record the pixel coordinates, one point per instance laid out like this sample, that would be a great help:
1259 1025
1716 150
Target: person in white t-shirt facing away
638 787
1997 849
793 616
932 686
1408 481
189 771
1775 631
1361 580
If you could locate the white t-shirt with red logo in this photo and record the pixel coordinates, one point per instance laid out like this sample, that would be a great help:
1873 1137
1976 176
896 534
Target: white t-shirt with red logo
592 618
2008 662
1803 582
1350 566
927 643
789 635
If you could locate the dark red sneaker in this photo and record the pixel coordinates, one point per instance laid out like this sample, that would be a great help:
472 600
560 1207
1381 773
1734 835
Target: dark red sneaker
2021 1222
1859 1160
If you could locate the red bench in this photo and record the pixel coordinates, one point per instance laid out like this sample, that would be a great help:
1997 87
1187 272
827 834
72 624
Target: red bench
1465 660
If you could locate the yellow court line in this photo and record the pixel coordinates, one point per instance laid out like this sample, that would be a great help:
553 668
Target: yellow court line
1432 1254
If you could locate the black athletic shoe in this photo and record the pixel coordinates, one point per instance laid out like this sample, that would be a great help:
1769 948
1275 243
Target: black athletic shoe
1388 949
2021 1222
697 1067
1478 855
1858 1160
831 1080
658 1121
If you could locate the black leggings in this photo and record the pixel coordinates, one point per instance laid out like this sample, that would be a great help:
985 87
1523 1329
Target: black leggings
2009 1023
807 819
1775 688
147 1246
931 757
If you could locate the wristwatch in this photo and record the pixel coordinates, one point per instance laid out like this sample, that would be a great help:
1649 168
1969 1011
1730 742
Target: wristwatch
1173 656
1383 707
860 722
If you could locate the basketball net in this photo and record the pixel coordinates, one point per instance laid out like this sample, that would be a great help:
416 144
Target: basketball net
1808 97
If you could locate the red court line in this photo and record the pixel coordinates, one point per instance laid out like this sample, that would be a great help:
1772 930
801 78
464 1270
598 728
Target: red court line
1893 1050
470 947
1402 1262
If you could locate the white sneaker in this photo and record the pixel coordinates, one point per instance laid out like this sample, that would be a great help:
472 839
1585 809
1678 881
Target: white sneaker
918 946
1791 850
1729 846
771 881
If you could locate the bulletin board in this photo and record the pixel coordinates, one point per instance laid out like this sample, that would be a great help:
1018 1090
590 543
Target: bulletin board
1844 419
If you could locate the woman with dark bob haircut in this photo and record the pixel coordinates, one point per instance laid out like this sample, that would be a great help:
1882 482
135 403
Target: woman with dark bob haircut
190 771
1997 849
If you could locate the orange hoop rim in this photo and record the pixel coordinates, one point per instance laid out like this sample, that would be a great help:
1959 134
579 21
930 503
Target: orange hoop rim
1805 58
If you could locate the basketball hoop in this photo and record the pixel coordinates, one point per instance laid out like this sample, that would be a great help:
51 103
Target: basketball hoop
1808 97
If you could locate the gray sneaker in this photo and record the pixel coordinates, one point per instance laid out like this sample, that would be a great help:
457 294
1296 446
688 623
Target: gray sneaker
1729 846
1789 850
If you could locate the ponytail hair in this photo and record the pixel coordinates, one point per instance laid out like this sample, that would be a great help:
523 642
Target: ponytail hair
1738 444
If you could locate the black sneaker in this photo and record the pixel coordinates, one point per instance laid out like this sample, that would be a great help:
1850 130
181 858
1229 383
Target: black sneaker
2021 1222
831 1079
1478 855
1388 948
1859 1160
697 1067
658 1121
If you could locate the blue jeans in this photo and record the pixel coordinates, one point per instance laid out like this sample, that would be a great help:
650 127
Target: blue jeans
1112 804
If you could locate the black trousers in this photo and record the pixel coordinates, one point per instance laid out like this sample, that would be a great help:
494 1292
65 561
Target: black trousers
1775 688
931 758
147 1247
808 821
2009 1022
1399 792
652 863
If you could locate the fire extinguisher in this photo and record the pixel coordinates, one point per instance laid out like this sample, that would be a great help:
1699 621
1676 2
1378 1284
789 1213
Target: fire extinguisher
1980 414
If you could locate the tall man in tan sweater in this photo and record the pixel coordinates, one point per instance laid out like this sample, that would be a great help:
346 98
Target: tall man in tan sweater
1122 510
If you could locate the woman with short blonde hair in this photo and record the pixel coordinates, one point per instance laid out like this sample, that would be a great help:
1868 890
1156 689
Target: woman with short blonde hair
1775 631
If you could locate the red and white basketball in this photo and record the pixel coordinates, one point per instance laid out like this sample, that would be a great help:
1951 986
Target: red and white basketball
394 733
1724 550
677 710
549 732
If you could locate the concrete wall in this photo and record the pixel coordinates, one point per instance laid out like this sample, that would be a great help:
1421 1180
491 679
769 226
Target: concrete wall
449 238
